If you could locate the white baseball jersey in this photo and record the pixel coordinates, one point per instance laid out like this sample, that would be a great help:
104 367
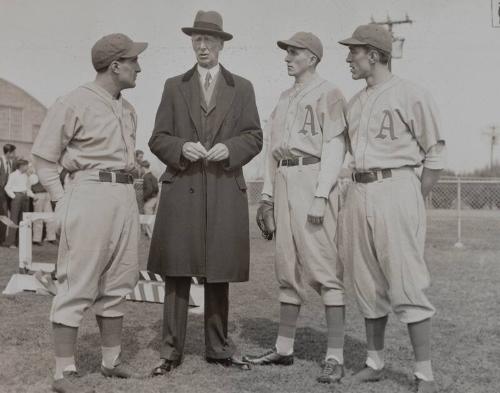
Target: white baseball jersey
306 118
392 125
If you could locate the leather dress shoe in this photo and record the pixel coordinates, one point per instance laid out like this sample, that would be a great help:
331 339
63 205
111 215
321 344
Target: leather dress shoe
368 374
332 372
232 361
165 367
426 386
270 357
67 384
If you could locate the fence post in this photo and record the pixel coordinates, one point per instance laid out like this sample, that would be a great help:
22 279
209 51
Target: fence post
459 243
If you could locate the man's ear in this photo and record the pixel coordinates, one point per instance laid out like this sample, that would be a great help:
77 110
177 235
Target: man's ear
114 66
373 56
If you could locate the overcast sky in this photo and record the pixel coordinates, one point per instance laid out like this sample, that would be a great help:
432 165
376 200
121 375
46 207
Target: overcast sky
451 49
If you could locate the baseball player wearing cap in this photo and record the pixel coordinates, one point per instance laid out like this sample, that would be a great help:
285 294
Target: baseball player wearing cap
91 133
305 155
393 129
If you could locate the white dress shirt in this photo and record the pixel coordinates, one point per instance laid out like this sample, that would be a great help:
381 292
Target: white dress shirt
18 182
214 72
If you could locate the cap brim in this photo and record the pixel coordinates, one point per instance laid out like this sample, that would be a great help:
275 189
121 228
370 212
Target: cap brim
136 49
351 41
284 44
192 30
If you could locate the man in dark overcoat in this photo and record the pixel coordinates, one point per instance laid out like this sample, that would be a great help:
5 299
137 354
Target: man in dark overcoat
207 127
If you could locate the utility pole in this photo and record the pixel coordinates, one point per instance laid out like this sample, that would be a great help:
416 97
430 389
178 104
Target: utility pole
390 23
493 137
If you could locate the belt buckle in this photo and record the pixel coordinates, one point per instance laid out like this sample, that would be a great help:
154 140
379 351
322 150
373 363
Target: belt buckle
113 177
379 175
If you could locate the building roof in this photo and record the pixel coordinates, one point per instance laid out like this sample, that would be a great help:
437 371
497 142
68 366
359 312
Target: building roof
6 82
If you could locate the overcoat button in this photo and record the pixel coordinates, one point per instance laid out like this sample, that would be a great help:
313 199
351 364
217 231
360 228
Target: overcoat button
191 190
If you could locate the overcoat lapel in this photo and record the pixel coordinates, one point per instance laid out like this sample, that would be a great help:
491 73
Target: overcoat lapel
190 88
224 98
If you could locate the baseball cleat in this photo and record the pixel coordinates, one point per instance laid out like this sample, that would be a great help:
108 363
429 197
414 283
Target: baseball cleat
270 357
368 374
120 371
332 372
426 386
68 385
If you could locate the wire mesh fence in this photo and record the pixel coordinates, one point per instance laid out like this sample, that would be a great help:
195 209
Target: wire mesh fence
463 203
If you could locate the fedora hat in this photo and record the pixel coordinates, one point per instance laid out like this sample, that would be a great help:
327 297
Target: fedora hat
208 22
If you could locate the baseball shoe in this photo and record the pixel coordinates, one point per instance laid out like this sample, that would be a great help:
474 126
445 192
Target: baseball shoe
68 385
270 357
425 386
232 361
120 371
332 372
368 374
165 367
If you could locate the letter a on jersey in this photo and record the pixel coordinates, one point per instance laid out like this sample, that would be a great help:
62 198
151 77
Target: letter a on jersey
309 124
389 126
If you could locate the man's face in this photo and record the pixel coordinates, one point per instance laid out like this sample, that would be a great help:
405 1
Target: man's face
359 62
126 71
207 48
11 155
139 157
298 61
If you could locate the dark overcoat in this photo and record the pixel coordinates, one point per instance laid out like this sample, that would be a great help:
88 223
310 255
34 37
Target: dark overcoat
201 226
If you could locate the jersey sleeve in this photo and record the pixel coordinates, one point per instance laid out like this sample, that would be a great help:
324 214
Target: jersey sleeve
331 108
424 120
426 127
57 129
333 151
270 163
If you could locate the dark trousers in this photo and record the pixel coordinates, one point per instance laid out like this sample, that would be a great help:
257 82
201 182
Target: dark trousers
18 205
175 310
4 211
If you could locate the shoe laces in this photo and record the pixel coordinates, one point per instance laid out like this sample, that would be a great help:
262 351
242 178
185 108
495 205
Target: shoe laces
329 367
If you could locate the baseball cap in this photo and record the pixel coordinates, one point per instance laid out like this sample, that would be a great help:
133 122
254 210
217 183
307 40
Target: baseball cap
374 35
113 47
304 40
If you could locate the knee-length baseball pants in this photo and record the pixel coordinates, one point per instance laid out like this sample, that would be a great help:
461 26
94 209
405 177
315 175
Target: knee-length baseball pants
305 253
97 264
382 246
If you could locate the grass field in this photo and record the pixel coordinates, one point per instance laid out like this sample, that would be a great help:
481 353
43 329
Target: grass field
465 290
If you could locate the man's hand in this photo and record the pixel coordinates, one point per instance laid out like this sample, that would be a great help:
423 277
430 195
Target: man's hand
317 211
194 151
428 179
218 152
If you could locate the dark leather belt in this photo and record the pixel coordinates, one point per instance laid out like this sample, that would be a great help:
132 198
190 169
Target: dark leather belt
116 177
371 176
296 161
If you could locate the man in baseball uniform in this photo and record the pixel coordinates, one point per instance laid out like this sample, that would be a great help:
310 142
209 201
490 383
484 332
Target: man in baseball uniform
305 154
393 129
91 133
